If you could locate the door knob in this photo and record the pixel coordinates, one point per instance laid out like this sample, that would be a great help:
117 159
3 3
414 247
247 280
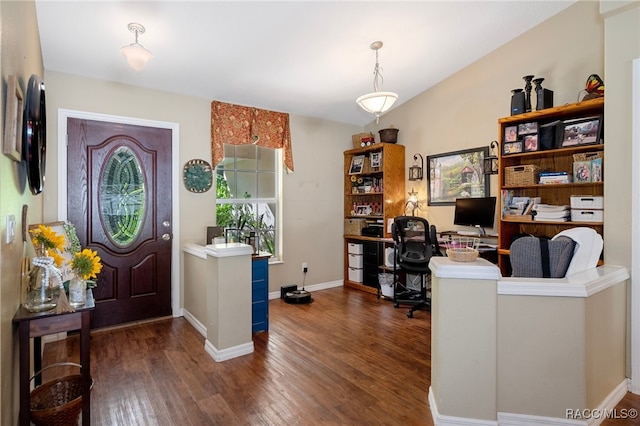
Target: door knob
166 224
166 237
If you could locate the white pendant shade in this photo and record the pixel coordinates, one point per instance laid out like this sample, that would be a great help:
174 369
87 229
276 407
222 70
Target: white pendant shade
377 102
137 56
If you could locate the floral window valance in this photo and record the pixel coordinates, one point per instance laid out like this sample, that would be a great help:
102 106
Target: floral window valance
242 125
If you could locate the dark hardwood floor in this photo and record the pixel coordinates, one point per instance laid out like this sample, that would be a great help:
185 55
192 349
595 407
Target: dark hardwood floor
345 359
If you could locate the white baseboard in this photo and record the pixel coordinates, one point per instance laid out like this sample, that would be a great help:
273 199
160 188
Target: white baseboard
442 420
200 327
514 419
314 287
225 354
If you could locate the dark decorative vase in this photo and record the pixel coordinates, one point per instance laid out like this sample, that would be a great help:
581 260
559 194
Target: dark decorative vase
544 97
527 92
517 102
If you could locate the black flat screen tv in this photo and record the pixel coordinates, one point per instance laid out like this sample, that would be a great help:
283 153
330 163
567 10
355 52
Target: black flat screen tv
476 212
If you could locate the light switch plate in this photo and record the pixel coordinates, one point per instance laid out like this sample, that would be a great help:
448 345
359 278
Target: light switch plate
11 229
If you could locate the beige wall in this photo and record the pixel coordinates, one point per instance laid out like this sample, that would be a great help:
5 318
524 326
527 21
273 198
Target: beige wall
462 111
20 47
312 194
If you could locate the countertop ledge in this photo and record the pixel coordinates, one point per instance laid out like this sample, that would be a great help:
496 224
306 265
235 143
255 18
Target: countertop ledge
218 250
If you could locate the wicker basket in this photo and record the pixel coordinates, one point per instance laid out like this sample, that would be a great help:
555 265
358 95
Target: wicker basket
58 402
354 226
588 156
462 254
526 174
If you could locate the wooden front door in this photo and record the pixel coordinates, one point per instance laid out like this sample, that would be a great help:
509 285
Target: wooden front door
119 199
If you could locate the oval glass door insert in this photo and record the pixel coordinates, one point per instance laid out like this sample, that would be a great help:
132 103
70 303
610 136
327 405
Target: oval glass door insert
122 196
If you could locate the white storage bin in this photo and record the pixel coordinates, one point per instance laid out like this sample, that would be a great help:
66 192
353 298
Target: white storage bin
587 202
355 260
355 275
578 215
355 248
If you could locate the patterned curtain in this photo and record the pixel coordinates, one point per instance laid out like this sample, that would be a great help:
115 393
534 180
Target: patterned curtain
242 125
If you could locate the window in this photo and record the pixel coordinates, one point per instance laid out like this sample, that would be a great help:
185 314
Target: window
248 196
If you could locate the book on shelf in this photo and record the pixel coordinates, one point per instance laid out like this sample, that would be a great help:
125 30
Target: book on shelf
550 207
551 213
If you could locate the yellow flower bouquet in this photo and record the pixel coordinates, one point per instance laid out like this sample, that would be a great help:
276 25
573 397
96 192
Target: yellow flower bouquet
48 243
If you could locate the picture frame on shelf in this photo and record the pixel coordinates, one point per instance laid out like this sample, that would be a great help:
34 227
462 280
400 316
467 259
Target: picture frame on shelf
512 148
457 174
14 110
582 131
527 128
510 134
357 164
364 210
582 171
376 159
531 143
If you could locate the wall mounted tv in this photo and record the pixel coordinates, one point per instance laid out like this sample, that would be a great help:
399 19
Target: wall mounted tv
476 212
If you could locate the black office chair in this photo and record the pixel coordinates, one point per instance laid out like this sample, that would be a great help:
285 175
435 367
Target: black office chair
415 243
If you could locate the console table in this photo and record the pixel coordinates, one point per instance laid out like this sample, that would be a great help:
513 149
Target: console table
37 324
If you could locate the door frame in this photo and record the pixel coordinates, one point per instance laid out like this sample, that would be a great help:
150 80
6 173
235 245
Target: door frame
63 115
634 293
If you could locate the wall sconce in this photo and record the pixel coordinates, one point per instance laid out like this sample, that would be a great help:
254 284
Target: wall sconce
491 162
413 202
415 171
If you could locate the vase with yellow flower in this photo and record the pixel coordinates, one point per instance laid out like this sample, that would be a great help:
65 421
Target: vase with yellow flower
85 265
44 277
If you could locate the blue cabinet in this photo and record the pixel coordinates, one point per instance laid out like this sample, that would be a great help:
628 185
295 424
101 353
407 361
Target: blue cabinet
260 294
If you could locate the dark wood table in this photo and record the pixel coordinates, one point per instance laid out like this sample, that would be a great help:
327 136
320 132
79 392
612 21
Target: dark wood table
37 324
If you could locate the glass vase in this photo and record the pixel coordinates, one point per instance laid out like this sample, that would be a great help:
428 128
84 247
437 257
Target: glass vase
43 286
77 291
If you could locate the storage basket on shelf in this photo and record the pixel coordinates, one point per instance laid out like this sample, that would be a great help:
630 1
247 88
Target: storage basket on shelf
354 226
58 402
526 174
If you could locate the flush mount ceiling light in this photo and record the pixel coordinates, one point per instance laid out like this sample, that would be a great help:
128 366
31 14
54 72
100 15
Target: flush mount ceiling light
377 102
137 56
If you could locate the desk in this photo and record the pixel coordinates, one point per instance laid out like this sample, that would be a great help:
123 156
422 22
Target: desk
37 324
486 251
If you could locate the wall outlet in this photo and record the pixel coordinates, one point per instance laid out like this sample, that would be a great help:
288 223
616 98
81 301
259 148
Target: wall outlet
305 268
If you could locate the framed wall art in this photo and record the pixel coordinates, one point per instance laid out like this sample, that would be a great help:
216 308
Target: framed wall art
12 142
457 174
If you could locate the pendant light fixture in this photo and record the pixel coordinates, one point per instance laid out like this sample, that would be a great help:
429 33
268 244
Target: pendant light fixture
377 102
137 56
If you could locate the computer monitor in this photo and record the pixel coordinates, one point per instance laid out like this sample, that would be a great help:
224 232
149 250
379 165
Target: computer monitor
477 212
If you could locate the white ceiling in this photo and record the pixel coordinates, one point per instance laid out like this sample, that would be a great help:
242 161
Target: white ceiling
309 58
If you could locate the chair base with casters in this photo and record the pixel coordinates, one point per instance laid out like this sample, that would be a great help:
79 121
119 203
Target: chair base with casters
417 298
415 244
